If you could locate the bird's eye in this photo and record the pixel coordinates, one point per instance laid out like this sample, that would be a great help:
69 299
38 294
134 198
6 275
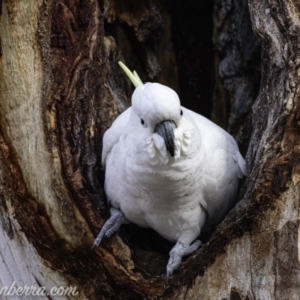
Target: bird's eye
181 112
142 121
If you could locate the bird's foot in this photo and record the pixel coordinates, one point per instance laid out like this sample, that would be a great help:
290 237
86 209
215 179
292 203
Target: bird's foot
176 254
115 221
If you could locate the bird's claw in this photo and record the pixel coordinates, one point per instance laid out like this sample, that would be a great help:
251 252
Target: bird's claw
176 254
112 225
168 276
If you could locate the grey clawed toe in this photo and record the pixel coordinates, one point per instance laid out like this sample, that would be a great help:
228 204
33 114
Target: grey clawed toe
112 225
178 251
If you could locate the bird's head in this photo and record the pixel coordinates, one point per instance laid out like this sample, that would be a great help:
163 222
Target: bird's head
158 111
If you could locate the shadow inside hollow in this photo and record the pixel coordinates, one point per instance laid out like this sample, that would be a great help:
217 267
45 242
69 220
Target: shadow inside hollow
150 251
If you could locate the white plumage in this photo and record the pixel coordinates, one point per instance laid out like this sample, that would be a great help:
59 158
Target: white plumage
176 196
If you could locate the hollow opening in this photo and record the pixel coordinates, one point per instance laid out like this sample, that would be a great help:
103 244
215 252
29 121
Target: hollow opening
176 44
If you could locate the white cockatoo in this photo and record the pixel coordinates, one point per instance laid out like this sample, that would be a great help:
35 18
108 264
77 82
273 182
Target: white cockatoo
168 168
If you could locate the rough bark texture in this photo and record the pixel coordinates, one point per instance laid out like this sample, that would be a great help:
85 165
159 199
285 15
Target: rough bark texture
238 67
61 88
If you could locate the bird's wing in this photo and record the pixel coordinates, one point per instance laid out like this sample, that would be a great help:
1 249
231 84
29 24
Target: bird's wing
215 137
113 134
221 169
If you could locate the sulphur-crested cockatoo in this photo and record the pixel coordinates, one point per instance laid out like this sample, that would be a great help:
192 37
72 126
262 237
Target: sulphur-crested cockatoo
169 169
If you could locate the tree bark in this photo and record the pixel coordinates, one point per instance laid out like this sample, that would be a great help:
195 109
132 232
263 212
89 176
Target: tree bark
61 88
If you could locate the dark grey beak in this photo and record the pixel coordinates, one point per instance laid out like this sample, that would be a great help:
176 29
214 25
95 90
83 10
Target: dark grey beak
166 130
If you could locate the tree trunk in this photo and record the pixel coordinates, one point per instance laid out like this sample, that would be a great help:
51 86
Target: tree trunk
61 88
